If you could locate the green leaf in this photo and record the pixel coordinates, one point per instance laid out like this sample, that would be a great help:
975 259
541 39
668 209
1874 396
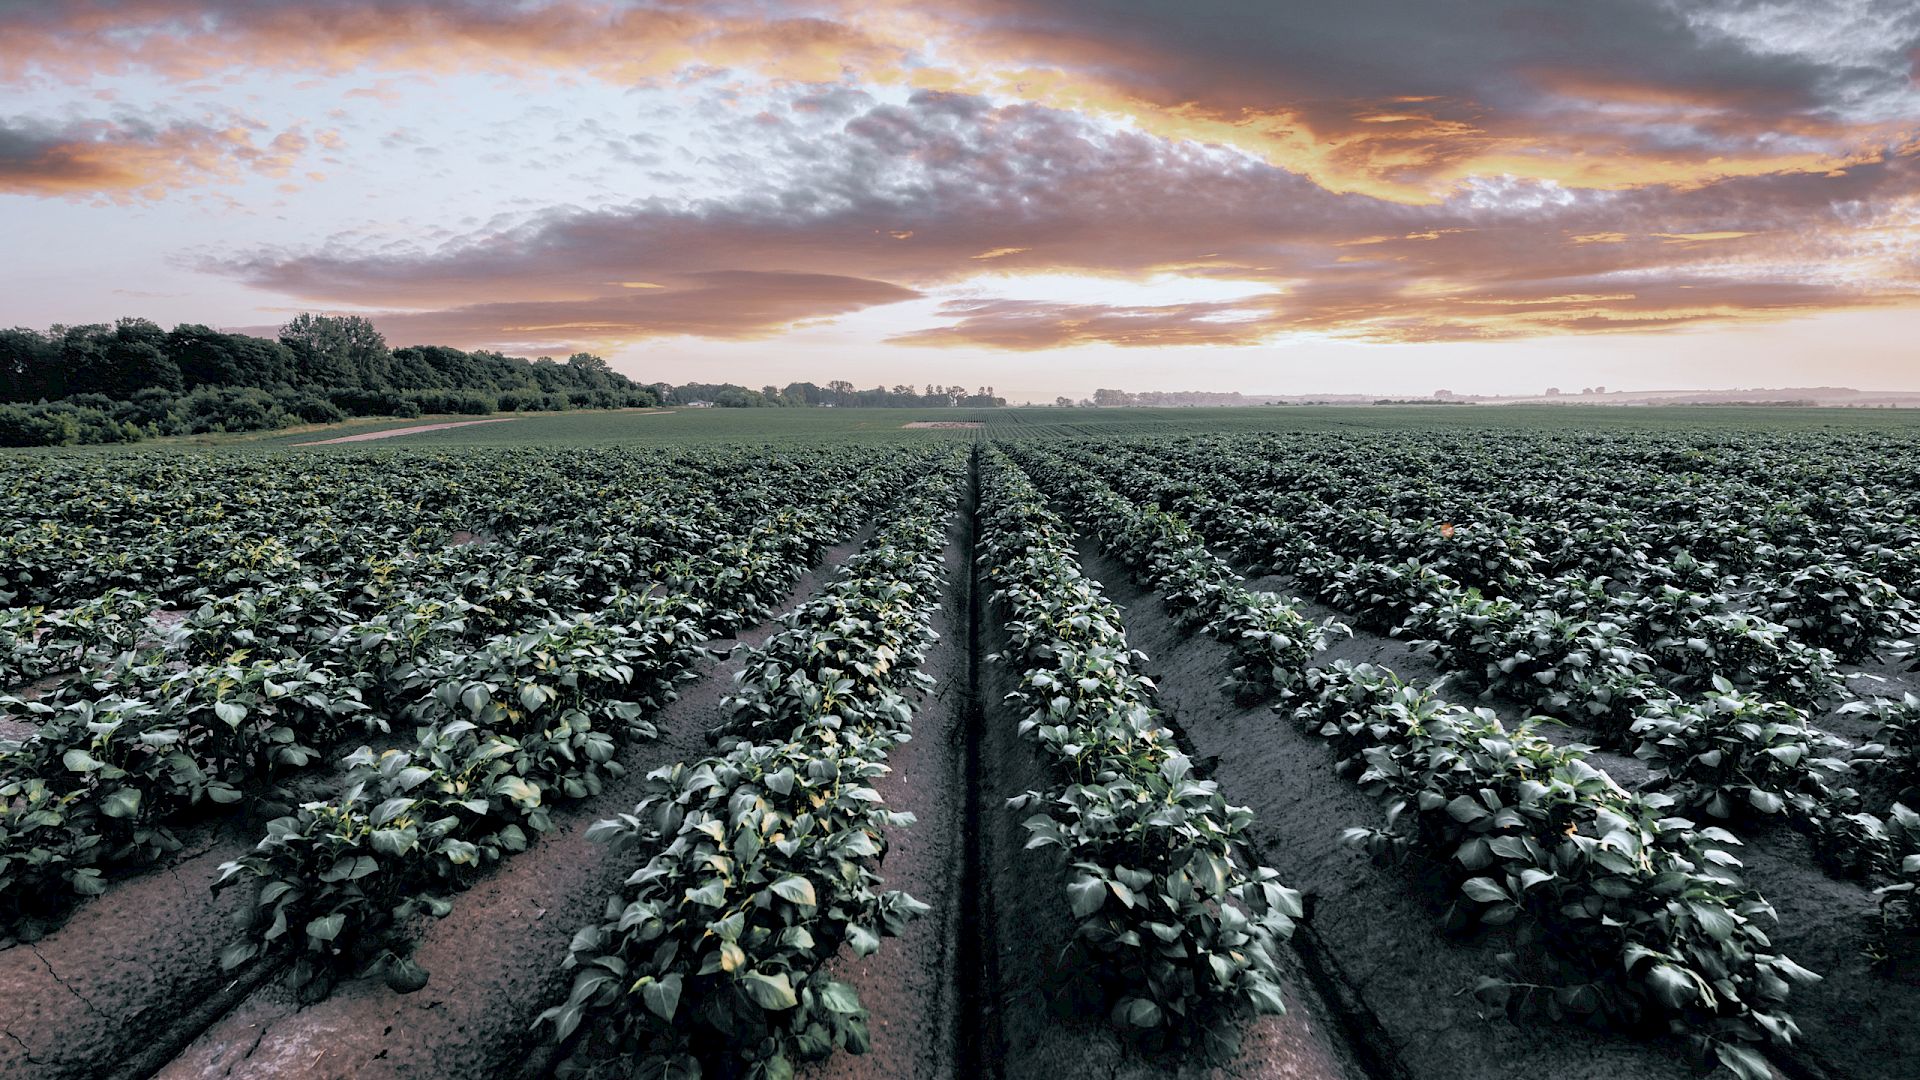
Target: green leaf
404 976
475 698
796 889
1746 1063
230 713
1086 894
1136 1012
122 803
327 927
80 761
517 789
841 998
1485 890
1671 986
1465 809
771 992
662 996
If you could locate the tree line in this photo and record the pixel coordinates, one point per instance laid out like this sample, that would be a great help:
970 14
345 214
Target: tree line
836 394
132 380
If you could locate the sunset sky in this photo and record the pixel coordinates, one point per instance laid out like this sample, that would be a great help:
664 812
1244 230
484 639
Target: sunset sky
1045 196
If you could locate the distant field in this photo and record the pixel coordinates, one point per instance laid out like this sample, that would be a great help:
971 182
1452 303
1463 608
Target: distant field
666 427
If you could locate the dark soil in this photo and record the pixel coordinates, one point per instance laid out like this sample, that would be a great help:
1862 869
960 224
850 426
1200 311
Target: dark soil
987 984
1857 1021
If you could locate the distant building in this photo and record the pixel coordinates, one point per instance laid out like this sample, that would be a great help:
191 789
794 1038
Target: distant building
699 404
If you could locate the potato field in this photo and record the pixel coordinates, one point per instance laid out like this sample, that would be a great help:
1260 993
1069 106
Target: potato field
1031 751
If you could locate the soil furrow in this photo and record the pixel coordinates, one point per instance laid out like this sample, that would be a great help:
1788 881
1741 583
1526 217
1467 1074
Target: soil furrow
911 987
976 1054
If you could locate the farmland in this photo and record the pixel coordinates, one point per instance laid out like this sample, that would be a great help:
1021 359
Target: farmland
1336 743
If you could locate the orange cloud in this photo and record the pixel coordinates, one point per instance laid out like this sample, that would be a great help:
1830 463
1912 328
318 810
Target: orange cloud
727 306
622 43
124 162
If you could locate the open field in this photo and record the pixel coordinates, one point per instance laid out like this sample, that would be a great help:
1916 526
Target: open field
1336 743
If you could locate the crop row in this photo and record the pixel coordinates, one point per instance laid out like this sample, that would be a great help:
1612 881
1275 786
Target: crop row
1716 700
754 867
1639 916
1177 924
536 720
252 686
183 528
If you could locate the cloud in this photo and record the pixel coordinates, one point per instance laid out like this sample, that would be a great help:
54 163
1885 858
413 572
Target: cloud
1402 99
131 160
735 305
622 42
897 201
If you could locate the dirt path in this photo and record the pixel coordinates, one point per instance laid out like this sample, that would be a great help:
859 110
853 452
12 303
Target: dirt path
390 433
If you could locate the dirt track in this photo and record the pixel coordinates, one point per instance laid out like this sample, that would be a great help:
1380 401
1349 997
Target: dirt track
390 433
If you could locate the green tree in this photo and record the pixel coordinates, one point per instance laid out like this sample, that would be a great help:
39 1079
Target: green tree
338 351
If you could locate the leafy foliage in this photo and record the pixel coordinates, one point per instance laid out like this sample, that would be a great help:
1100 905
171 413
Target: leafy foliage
1176 923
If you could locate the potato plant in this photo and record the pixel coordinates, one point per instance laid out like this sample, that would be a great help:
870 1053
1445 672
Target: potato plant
1176 924
113 766
755 867
1732 755
1273 641
1835 605
533 719
1626 913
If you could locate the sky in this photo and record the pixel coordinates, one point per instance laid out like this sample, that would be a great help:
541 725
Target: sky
1042 196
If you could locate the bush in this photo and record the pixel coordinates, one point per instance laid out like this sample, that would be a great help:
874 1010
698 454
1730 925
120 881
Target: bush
228 409
316 410
533 401
463 402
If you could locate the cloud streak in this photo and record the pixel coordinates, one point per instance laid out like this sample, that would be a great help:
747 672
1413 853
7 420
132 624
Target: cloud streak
127 161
